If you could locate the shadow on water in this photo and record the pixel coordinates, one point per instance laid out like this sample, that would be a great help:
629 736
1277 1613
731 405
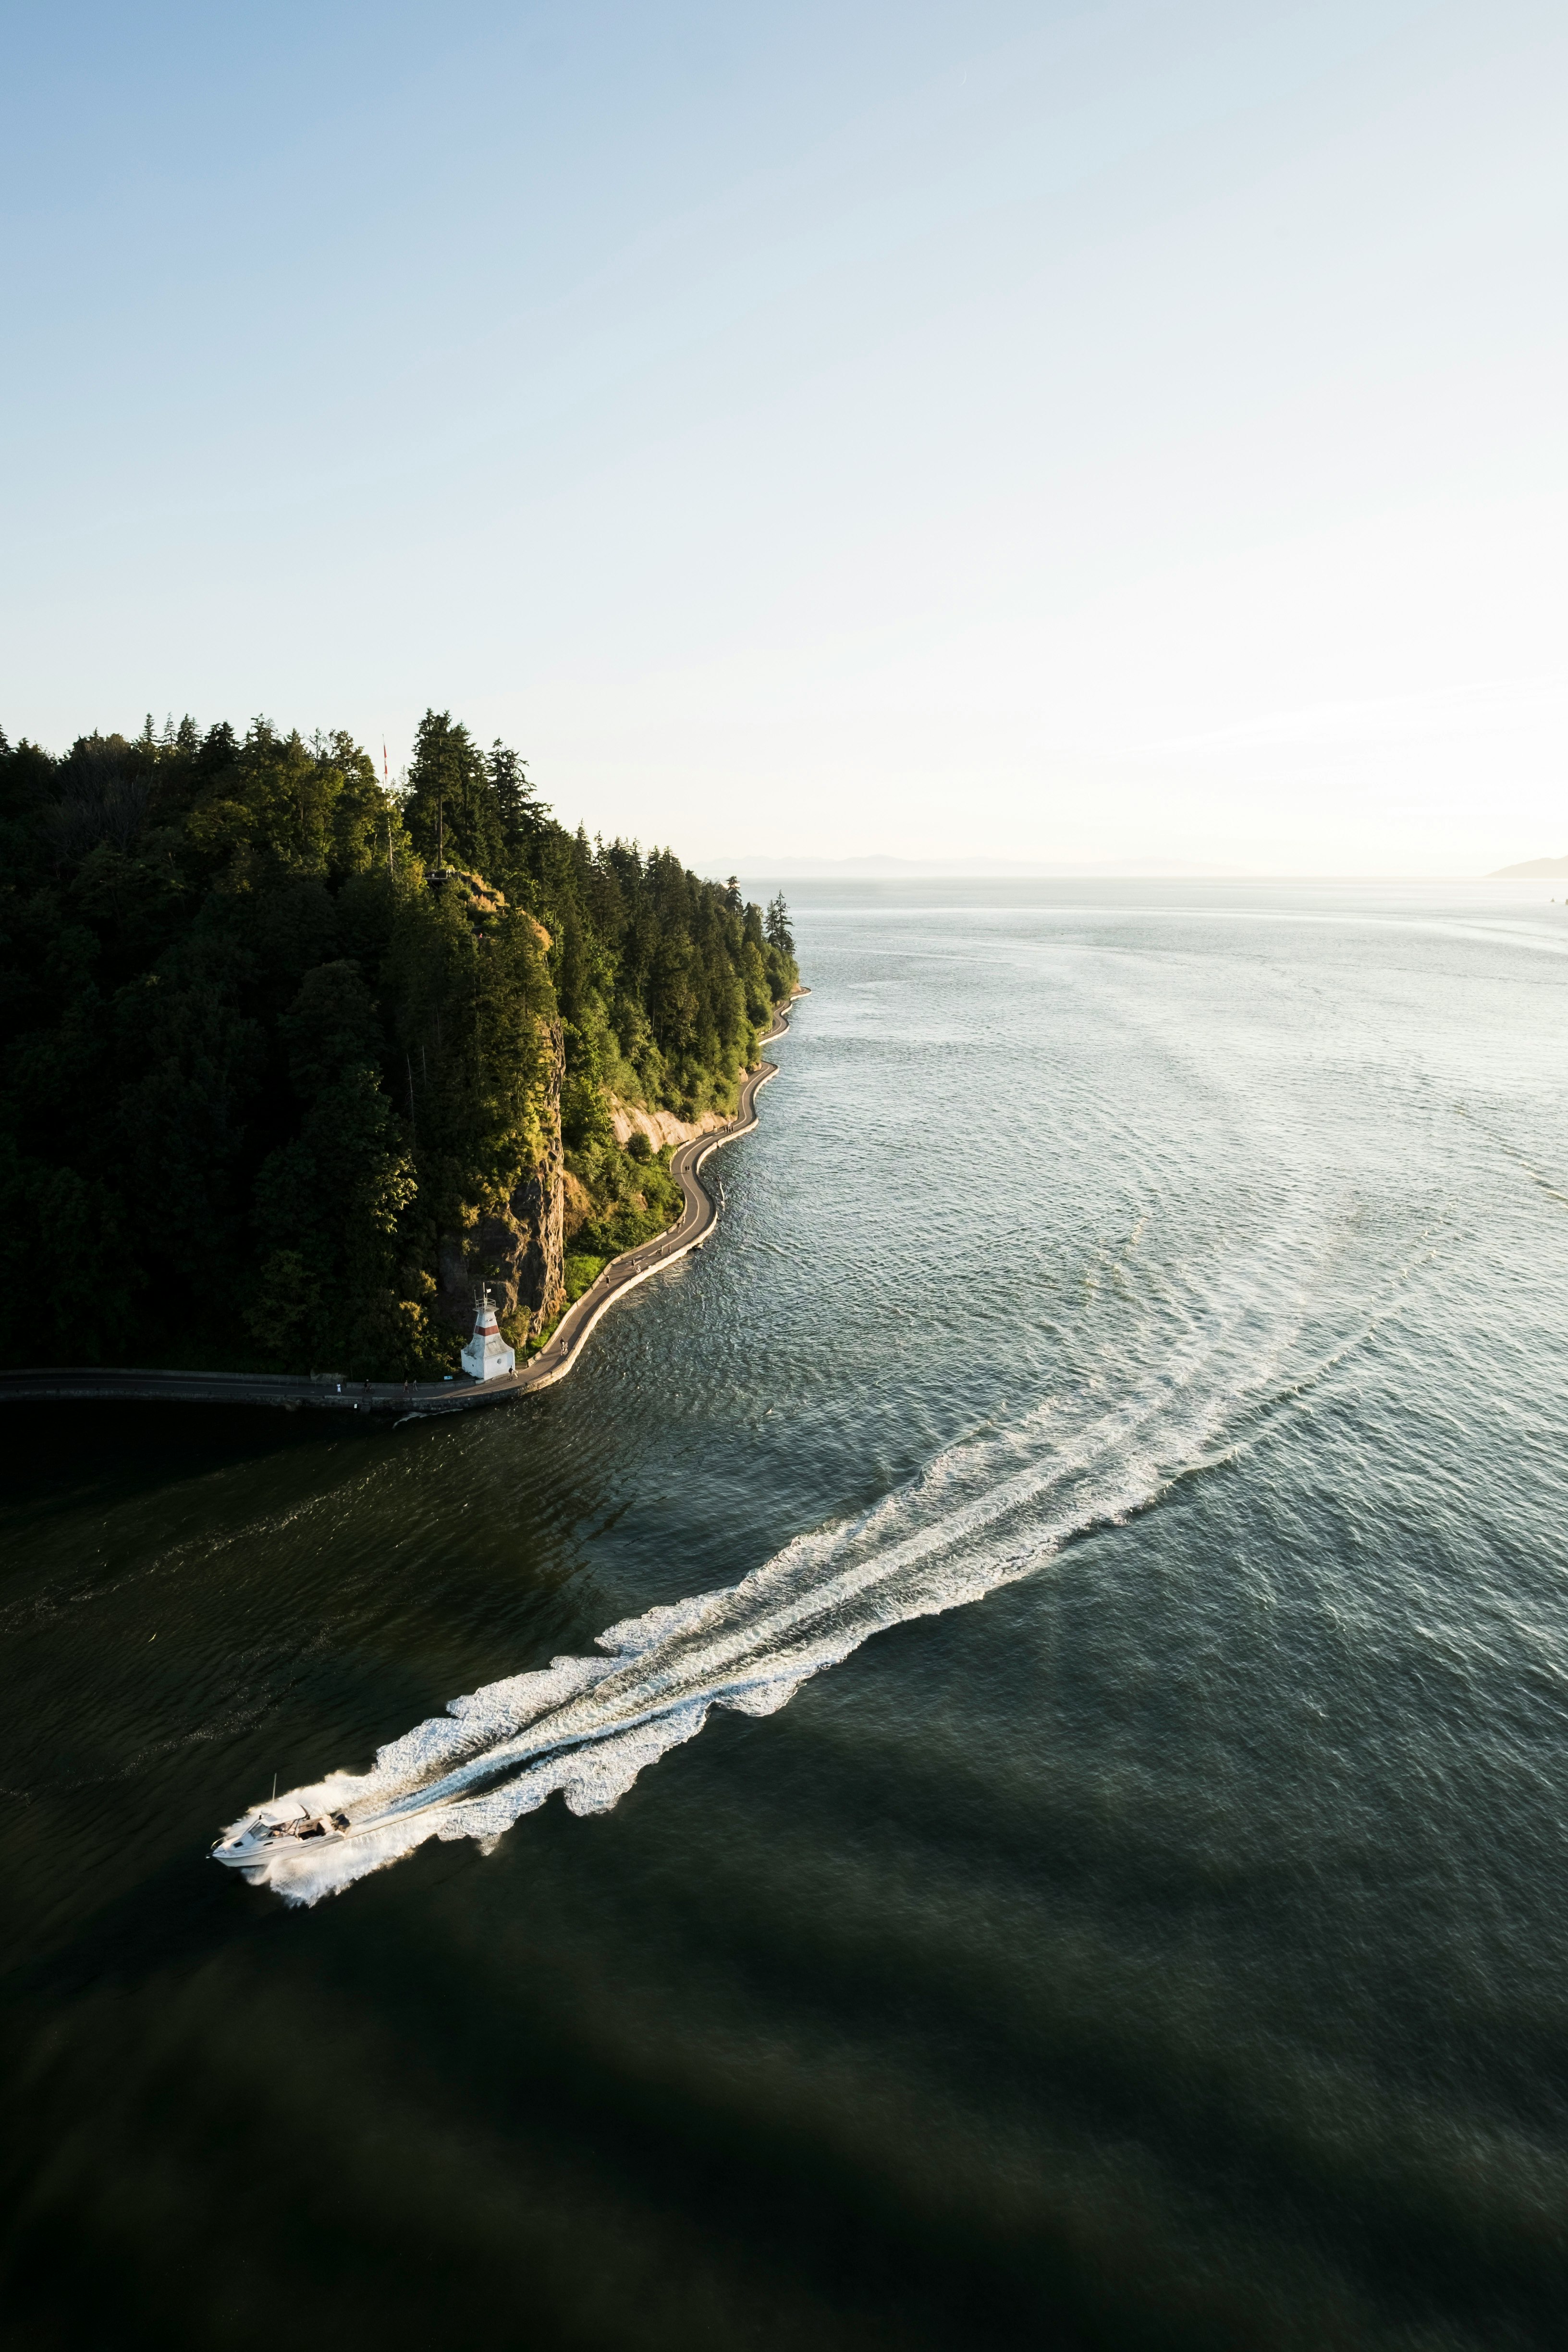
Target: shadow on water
271 2109
68 1456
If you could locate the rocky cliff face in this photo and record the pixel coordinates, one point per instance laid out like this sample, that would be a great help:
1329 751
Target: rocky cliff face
519 1250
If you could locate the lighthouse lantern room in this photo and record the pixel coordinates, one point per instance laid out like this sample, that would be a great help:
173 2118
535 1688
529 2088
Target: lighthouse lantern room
487 1356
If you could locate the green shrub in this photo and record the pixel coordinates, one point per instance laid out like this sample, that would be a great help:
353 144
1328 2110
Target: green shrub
581 1273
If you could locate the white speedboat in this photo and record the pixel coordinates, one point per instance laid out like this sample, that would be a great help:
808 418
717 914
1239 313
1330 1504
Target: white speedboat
265 1836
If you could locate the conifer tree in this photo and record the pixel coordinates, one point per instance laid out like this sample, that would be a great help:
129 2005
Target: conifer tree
779 934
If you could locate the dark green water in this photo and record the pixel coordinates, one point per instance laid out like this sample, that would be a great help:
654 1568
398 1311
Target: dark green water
1128 1390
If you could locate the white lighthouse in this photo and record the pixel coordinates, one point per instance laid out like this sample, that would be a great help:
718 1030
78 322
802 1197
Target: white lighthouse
487 1356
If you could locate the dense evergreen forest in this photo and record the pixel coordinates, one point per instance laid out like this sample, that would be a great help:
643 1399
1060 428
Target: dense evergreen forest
275 1038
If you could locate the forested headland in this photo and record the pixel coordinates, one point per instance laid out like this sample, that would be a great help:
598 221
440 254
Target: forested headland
288 1060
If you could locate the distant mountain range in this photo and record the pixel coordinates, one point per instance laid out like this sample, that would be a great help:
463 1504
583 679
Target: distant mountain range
1534 869
871 869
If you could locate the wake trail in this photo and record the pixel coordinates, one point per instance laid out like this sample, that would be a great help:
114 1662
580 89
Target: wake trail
985 1512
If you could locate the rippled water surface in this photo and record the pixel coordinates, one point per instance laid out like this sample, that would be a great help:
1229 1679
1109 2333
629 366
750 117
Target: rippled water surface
989 1772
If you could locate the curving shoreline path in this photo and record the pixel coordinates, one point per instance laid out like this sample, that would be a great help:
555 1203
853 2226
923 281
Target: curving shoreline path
423 1400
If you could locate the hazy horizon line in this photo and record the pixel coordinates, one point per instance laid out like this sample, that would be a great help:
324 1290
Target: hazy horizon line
873 868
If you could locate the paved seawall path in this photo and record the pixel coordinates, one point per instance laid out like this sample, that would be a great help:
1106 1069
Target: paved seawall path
423 1400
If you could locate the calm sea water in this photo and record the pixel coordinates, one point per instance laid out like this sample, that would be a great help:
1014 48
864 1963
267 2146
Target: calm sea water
1090 1872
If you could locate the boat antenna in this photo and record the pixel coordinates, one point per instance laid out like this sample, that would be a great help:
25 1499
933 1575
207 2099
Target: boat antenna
273 1799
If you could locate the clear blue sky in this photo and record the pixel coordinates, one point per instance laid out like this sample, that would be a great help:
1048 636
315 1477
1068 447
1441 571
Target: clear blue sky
1063 432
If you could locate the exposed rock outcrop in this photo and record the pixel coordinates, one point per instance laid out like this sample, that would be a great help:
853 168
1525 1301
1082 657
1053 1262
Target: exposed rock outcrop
661 1127
518 1250
577 1201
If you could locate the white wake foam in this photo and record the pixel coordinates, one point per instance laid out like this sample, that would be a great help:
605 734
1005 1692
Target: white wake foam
985 1512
